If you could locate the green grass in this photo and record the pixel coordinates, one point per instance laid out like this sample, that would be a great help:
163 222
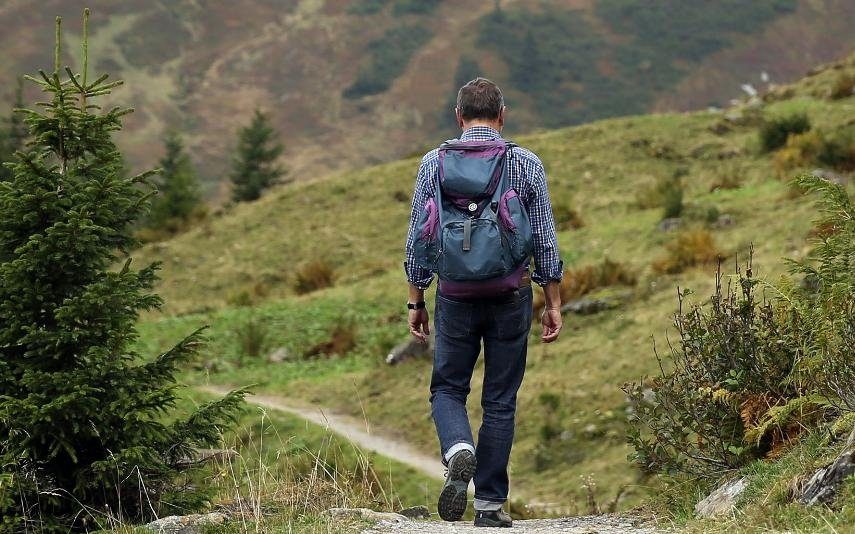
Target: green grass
296 470
354 221
766 505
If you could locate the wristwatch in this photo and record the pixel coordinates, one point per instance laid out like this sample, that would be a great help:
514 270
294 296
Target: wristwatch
420 305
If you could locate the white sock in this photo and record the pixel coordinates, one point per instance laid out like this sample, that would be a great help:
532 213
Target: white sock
457 447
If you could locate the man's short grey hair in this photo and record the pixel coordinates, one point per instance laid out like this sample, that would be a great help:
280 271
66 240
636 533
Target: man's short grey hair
480 99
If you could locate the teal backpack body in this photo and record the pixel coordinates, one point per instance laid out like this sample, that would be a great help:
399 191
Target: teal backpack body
474 233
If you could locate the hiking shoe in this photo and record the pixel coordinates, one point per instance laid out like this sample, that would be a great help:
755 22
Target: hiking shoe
453 499
492 518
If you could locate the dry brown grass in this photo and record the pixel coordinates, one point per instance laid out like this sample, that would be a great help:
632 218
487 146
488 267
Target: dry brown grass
579 282
690 248
316 274
341 341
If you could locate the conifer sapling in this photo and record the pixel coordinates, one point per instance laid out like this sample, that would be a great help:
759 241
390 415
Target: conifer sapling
81 413
254 167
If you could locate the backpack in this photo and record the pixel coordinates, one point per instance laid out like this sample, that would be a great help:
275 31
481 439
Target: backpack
474 233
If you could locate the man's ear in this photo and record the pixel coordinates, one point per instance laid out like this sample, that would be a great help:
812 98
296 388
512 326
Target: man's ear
502 116
458 117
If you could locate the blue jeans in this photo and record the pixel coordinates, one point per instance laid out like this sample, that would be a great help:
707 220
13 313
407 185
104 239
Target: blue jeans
503 324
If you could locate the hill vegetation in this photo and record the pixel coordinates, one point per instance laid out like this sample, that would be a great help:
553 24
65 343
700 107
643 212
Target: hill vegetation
242 268
377 75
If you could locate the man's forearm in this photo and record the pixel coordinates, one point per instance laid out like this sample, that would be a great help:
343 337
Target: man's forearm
552 295
416 294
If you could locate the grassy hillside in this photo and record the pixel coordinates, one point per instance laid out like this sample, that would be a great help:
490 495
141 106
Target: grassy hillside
239 271
377 76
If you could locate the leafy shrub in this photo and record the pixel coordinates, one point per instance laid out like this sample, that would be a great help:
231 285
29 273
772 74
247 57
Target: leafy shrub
314 275
730 364
388 57
666 193
690 248
838 152
799 151
747 377
843 86
775 132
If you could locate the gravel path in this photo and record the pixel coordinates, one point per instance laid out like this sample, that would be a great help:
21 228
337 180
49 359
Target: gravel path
600 524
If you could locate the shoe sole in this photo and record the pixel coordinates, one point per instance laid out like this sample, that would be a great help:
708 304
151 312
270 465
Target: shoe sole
494 524
454 496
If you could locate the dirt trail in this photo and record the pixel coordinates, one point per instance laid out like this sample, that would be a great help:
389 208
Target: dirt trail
355 430
359 432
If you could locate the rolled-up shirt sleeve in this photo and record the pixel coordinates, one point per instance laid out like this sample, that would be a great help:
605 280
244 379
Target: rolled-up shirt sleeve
418 276
547 260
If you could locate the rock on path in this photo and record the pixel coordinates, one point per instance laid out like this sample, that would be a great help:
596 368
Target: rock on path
597 524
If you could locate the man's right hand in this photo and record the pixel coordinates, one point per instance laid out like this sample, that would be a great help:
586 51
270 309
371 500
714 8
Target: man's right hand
419 323
552 323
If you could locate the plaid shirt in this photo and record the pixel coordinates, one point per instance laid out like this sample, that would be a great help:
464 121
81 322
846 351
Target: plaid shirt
527 177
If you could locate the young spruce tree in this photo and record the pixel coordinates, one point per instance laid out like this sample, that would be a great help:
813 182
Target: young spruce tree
13 133
178 187
254 167
82 414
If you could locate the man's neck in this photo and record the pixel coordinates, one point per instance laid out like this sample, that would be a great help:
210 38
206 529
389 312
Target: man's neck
487 124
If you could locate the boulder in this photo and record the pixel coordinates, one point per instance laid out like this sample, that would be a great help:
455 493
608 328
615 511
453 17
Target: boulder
670 224
722 501
415 512
186 524
410 348
831 176
822 486
587 306
725 220
279 355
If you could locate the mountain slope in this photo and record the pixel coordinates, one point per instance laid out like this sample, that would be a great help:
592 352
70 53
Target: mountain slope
237 273
367 81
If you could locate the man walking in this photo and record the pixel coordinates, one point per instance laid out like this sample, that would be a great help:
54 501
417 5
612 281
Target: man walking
466 228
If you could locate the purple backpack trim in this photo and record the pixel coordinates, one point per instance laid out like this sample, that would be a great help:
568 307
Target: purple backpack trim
504 212
431 225
475 289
